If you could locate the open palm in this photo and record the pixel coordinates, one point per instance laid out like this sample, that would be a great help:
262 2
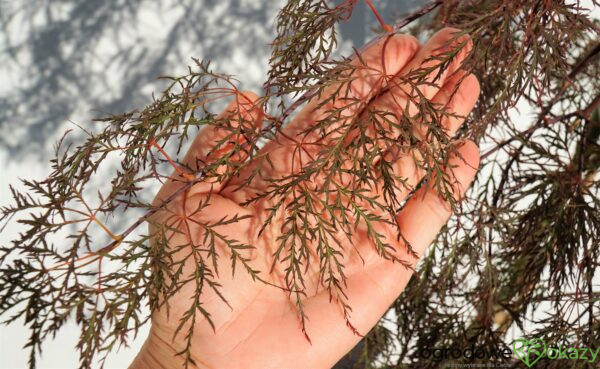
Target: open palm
261 328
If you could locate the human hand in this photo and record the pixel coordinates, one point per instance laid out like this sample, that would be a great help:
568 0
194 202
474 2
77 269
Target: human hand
260 328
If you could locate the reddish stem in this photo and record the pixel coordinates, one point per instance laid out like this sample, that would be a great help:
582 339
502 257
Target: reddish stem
385 26
99 289
171 162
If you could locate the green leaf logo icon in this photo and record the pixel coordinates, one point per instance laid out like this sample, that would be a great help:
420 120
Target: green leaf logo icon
529 351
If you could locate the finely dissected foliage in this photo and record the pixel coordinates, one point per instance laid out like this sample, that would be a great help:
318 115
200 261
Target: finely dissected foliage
522 251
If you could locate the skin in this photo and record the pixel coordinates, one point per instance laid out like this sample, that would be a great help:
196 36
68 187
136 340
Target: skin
261 328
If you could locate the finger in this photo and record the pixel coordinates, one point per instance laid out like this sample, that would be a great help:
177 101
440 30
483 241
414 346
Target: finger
301 140
243 114
448 44
421 219
457 98
428 203
413 172
410 92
